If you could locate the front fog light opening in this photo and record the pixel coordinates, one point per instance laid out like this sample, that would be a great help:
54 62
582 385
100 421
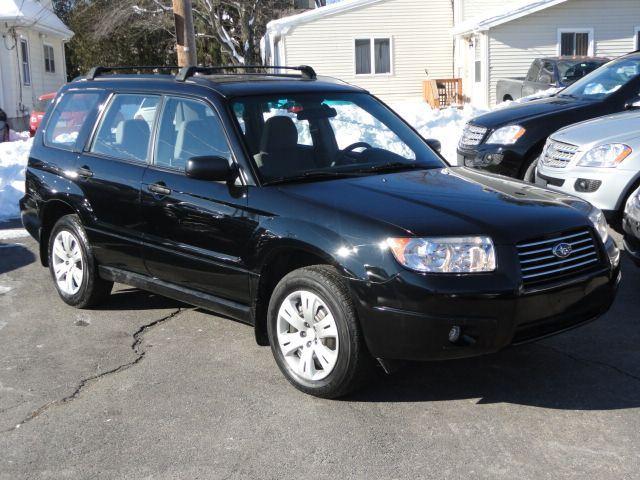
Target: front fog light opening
454 334
585 185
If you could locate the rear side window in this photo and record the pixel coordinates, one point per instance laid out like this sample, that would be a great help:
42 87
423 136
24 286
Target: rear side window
68 117
125 129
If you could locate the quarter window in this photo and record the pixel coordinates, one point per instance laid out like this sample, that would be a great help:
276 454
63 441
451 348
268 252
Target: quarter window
125 130
24 62
68 117
373 56
49 59
189 128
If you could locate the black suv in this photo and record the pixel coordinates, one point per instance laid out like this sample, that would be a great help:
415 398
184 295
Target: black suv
510 140
306 208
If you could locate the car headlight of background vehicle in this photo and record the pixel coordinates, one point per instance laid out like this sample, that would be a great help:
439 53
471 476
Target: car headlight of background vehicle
632 208
506 135
599 223
445 254
605 156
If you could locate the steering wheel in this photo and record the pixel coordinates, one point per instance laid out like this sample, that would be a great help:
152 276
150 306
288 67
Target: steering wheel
348 149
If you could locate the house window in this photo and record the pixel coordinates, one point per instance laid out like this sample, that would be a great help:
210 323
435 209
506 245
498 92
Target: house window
49 59
478 60
637 38
575 43
24 60
373 56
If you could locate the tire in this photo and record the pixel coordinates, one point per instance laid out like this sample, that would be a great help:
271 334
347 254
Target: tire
325 357
530 172
73 267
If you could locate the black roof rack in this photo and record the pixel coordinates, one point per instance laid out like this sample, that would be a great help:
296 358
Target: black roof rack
306 72
97 71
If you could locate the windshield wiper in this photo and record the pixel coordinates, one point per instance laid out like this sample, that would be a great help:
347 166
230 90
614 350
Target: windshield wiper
393 166
310 175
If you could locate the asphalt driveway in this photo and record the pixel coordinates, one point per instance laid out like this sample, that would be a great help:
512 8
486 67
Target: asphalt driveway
145 387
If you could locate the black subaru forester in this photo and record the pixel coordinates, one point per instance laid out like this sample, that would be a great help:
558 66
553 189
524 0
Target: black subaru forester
307 208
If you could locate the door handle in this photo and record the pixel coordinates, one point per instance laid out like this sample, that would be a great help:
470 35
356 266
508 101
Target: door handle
84 172
159 188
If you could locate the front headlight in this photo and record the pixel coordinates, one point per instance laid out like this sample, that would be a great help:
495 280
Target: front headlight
506 135
605 156
599 223
445 254
632 208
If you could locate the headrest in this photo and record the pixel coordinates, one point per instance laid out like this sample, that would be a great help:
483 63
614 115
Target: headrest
279 133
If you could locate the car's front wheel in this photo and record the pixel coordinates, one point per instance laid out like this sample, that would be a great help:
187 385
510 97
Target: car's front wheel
314 333
72 265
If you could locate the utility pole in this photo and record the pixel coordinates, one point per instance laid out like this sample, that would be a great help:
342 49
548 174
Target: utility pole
185 35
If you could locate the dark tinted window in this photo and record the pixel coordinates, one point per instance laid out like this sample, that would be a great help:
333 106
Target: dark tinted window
570 71
189 128
68 117
41 105
574 44
125 129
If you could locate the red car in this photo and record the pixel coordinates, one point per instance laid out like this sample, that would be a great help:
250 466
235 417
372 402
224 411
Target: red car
38 111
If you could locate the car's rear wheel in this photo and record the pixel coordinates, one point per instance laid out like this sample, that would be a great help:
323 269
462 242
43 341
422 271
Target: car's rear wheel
314 333
72 265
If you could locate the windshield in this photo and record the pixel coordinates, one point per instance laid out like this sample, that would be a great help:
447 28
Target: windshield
571 71
327 134
605 80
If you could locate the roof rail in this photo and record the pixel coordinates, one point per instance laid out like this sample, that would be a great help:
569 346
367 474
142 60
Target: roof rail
306 72
98 71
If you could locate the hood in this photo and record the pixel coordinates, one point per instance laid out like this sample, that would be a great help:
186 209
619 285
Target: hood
441 202
618 128
527 111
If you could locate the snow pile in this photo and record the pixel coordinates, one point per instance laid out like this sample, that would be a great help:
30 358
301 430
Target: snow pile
445 124
13 160
16 136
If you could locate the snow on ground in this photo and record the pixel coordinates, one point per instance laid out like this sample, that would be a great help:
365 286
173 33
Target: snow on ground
442 124
13 159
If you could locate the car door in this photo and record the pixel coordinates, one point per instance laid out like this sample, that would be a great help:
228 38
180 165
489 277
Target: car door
196 230
110 172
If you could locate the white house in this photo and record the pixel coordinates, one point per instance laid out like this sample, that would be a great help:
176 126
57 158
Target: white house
390 46
31 56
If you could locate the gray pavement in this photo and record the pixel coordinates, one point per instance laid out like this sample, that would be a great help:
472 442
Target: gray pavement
145 387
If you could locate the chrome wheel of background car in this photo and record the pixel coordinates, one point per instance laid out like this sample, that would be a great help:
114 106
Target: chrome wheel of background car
307 335
68 264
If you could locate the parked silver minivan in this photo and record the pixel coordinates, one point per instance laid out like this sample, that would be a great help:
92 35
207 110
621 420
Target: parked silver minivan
597 160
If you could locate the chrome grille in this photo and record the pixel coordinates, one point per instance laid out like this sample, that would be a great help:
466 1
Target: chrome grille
558 154
472 135
539 263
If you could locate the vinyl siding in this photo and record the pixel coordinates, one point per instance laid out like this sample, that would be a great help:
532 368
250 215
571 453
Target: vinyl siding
514 45
421 38
481 8
41 81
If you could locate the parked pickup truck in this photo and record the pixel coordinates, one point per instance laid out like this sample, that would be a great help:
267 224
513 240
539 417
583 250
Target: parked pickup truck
546 73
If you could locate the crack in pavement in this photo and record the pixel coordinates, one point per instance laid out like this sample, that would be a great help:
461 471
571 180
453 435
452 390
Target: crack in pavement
587 361
135 346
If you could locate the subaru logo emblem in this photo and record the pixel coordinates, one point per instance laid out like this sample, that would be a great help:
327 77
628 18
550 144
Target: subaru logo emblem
562 250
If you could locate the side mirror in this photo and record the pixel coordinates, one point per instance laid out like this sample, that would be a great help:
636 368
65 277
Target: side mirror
212 168
434 144
632 103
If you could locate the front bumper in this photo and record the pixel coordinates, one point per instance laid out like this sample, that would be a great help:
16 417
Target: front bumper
410 317
609 195
504 159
